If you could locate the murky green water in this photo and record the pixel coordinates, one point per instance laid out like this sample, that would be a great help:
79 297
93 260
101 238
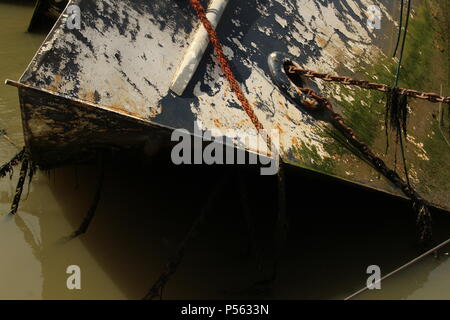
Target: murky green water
147 207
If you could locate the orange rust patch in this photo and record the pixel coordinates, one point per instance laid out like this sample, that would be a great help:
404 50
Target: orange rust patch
130 103
88 96
218 123
277 126
54 86
322 42
123 111
356 50
288 117
58 79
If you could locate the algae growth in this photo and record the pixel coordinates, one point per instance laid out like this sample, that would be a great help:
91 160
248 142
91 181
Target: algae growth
425 68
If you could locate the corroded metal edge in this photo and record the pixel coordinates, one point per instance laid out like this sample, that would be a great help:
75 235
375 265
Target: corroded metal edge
56 137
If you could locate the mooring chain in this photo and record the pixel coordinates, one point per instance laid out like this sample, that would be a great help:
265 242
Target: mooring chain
8 167
27 167
172 265
224 64
19 189
429 96
226 69
420 205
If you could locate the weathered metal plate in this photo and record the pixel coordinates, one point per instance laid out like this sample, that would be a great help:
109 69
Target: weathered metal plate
123 59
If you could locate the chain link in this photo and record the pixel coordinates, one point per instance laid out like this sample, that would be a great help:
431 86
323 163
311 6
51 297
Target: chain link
429 96
419 204
19 189
8 167
225 66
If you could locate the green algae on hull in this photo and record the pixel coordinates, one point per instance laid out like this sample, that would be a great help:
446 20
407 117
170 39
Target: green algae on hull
424 68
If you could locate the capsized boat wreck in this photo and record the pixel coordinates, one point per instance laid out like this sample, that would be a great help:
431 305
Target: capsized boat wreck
108 84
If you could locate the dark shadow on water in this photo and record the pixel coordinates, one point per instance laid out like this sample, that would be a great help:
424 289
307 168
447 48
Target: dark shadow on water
337 230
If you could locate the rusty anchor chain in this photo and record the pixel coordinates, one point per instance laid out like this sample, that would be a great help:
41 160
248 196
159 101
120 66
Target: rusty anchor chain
27 167
225 66
19 189
429 96
8 167
420 205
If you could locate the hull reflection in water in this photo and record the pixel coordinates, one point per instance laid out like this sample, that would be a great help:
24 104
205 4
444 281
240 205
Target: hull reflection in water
139 225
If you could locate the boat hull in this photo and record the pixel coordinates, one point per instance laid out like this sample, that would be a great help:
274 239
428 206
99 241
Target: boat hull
107 84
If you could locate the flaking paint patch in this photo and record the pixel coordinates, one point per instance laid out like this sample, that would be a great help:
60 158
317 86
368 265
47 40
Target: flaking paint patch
313 21
282 22
118 63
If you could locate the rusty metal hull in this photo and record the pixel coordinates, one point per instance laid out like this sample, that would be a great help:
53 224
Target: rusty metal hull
60 131
107 84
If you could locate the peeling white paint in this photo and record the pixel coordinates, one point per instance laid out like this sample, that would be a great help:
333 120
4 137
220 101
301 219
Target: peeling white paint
419 148
197 48
281 21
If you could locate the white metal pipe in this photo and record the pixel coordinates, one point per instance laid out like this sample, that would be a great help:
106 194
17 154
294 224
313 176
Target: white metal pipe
197 48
